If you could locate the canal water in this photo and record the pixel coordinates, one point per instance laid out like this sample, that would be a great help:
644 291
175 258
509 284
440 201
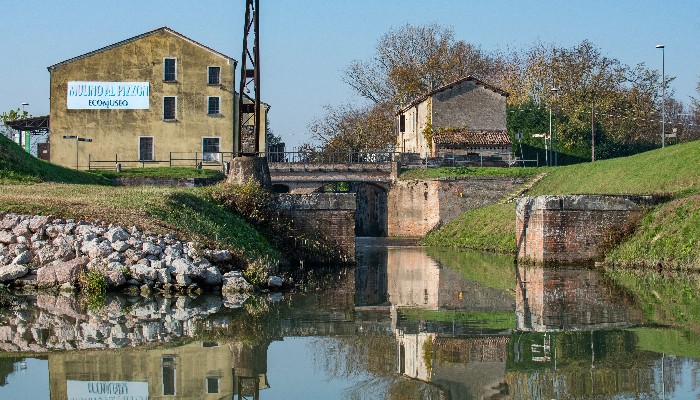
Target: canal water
407 323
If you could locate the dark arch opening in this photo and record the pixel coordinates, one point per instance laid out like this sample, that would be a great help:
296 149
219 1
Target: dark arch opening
280 188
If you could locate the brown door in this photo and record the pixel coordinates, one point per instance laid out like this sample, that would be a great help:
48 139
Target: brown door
43 151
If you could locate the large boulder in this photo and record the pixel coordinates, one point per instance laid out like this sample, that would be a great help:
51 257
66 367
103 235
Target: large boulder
23 258
234 282
120 245
220 256
117 234
152 249
212 276
7 237
9 222
22 228
114 274
12 272
38 222
59 272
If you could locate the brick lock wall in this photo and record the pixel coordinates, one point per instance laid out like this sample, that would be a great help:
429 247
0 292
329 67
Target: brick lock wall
573 229
330 216
417 207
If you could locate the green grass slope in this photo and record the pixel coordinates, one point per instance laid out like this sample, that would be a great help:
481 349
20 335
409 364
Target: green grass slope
32 186
669 234
18 166
673 169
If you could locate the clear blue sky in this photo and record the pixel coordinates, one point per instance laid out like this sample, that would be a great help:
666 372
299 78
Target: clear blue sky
306 44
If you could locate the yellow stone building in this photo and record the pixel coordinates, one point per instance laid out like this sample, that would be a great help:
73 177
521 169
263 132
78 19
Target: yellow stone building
156 99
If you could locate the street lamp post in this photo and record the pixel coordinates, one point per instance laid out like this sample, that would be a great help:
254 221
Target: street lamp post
77 139
23 137
663 94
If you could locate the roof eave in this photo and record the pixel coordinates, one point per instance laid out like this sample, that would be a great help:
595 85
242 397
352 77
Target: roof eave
53 67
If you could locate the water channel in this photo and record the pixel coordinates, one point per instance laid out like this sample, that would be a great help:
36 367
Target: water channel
407 323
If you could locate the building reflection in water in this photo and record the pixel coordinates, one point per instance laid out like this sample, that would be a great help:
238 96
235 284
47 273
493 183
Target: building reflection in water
440 324
570 299
198 370
437 318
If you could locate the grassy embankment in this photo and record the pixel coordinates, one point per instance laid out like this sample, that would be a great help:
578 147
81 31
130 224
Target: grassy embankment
32 186
668 234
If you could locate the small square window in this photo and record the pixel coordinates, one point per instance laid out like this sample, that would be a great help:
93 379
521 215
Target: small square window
213 105
169 69
214 77
210 149
145 148
212 384
169 108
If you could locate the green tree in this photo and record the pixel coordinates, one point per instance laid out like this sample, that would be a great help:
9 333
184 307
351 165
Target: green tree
11 115
625 100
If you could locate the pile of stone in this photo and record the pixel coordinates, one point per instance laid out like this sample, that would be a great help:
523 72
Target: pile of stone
49 253
58 322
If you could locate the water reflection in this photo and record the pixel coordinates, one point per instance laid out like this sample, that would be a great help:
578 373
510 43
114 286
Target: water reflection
408 323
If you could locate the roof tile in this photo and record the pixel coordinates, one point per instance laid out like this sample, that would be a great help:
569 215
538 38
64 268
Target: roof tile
471 138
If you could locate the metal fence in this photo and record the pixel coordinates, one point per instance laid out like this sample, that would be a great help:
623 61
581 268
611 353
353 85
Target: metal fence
213 160
339 157
222 160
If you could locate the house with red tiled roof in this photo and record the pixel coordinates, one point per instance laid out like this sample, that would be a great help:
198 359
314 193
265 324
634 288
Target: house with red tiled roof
465 117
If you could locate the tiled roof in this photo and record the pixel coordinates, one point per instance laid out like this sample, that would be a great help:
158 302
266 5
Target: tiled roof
423 97
472 138
143 35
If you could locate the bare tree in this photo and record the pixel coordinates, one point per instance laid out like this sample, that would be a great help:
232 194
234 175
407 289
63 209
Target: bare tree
351 128
412 60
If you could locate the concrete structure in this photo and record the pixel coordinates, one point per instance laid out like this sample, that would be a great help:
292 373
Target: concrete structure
570 229
151 98
464 117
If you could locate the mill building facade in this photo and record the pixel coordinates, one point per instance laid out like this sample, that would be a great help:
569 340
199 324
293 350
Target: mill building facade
156 99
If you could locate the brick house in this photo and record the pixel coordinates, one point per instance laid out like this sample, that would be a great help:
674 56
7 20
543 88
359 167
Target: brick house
465 117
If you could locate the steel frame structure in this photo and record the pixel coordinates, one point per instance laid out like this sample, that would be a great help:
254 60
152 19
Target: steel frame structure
250 82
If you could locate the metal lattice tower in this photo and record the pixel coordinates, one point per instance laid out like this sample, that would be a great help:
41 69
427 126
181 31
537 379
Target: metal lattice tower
249 94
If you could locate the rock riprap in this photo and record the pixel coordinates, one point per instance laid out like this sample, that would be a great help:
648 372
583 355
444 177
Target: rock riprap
46 253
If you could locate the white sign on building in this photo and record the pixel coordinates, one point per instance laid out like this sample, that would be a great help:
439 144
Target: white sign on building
108 95
107 390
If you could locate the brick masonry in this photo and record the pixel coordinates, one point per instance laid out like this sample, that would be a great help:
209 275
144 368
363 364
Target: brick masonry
329 216
551 299
570 229
416 207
